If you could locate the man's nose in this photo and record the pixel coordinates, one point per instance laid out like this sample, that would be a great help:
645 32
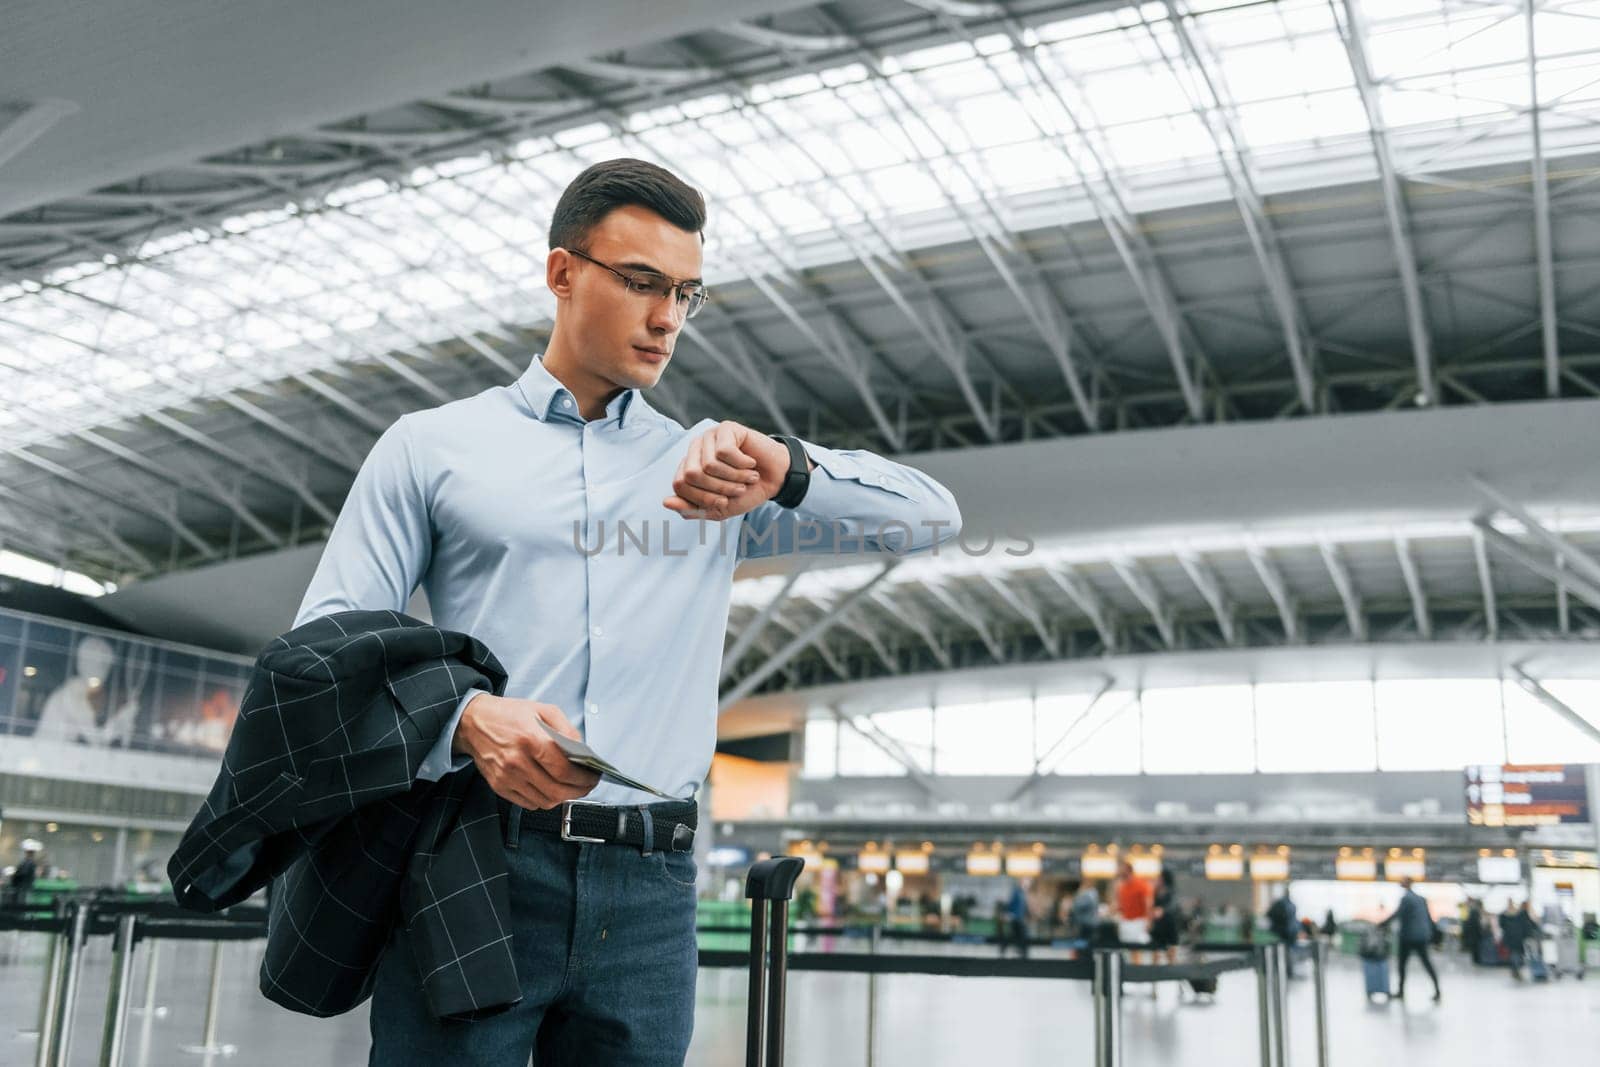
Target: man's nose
666 314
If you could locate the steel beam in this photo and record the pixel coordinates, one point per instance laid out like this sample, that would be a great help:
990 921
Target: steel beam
1210 585
1144 591
1353 33
1413 580
1271 577
1087 600
1543 242
1340 574
791 648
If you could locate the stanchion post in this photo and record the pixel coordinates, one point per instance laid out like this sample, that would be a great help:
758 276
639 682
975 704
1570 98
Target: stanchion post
1280 1002
61 1036
152 957
208 1042
1107 1008
50 997
1263 962
117 995
1319 975
872 1000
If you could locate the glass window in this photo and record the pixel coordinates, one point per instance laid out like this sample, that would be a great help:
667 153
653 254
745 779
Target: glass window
1059 720
908 731
993 737
1198 730
10 681
821 758
1315 726
1438 724
1536 733
1106 742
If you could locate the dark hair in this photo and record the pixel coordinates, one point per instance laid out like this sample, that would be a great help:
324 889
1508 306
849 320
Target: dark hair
615 183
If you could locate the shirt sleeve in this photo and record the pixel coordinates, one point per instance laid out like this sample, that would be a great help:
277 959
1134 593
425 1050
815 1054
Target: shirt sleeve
440 761
382 541
857 502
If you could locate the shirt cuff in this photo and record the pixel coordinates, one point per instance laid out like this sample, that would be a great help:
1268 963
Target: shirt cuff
440 761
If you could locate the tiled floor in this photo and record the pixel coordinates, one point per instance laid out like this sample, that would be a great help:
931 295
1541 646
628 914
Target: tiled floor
921 1021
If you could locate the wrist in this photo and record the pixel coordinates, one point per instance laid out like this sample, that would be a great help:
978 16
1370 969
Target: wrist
462 743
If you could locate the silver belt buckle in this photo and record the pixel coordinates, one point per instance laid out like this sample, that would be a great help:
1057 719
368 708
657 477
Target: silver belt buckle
566 826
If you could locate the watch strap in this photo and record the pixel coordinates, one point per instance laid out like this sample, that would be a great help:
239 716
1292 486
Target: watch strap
798 480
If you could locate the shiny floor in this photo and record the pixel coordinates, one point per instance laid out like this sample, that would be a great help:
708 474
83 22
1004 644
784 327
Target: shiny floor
921 1021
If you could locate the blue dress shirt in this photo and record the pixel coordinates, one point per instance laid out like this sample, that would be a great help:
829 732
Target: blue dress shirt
544 536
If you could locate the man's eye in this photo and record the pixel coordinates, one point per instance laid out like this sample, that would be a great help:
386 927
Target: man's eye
653 284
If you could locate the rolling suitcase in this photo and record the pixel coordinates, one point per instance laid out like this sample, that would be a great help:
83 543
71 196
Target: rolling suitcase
1375 972
769 886
1536 965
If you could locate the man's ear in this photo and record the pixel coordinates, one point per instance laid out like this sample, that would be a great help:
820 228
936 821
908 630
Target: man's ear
558 267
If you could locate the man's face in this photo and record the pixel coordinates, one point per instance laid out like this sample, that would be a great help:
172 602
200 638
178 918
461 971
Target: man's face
624 338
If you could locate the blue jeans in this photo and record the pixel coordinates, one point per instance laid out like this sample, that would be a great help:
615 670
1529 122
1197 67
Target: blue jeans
605 950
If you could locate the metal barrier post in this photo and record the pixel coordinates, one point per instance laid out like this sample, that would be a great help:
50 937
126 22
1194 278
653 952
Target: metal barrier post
117 995
153 958
1319 975
1107 1008
50 997
872 999
60 1038
1264 984
1280 1001
208 1043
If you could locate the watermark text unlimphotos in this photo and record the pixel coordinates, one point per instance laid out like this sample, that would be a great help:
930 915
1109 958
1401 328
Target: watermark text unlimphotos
678 537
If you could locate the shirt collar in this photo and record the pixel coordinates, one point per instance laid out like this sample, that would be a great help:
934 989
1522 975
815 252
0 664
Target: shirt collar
544 394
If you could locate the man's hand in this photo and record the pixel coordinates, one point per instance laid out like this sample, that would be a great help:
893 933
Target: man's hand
520 761
729 470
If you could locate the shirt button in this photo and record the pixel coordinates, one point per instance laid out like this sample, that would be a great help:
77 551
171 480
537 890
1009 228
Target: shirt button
597 631
594 709
566 401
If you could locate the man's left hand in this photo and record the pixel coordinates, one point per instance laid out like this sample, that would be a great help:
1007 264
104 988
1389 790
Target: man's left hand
729 470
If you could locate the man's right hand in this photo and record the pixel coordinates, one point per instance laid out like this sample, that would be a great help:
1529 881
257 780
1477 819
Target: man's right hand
516 756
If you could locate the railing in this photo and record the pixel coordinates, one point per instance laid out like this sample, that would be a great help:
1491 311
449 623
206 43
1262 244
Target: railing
71 922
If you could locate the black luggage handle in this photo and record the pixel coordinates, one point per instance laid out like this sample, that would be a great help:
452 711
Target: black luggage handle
770 886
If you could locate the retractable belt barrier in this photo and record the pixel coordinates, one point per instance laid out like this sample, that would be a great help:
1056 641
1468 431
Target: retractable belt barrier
75 919
1105 969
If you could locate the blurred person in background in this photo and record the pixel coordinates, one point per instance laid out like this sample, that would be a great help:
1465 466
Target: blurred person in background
25 874
1283 919
1416 928
1166 922
1135 903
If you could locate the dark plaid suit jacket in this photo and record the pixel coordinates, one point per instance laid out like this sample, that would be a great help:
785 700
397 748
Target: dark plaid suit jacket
318 793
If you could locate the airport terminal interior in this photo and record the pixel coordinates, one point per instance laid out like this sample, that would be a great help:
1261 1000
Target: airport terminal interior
1250 671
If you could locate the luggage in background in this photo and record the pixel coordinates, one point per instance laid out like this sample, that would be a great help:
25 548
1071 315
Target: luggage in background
1375 972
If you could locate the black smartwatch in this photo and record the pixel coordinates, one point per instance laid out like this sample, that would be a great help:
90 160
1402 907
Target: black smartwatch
798 480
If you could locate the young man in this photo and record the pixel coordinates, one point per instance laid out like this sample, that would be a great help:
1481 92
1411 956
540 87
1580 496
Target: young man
1416 933
590 543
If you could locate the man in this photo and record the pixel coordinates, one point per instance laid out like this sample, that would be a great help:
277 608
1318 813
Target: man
1016 933
1416 933
590 543
24 875
1135 903
1283 919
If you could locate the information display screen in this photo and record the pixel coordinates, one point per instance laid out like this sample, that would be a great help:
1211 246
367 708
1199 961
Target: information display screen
1526 794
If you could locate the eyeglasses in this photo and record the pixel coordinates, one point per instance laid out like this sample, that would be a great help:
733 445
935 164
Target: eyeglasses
688 297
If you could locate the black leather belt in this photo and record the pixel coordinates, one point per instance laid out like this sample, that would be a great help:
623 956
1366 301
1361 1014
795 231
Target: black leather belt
665 827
